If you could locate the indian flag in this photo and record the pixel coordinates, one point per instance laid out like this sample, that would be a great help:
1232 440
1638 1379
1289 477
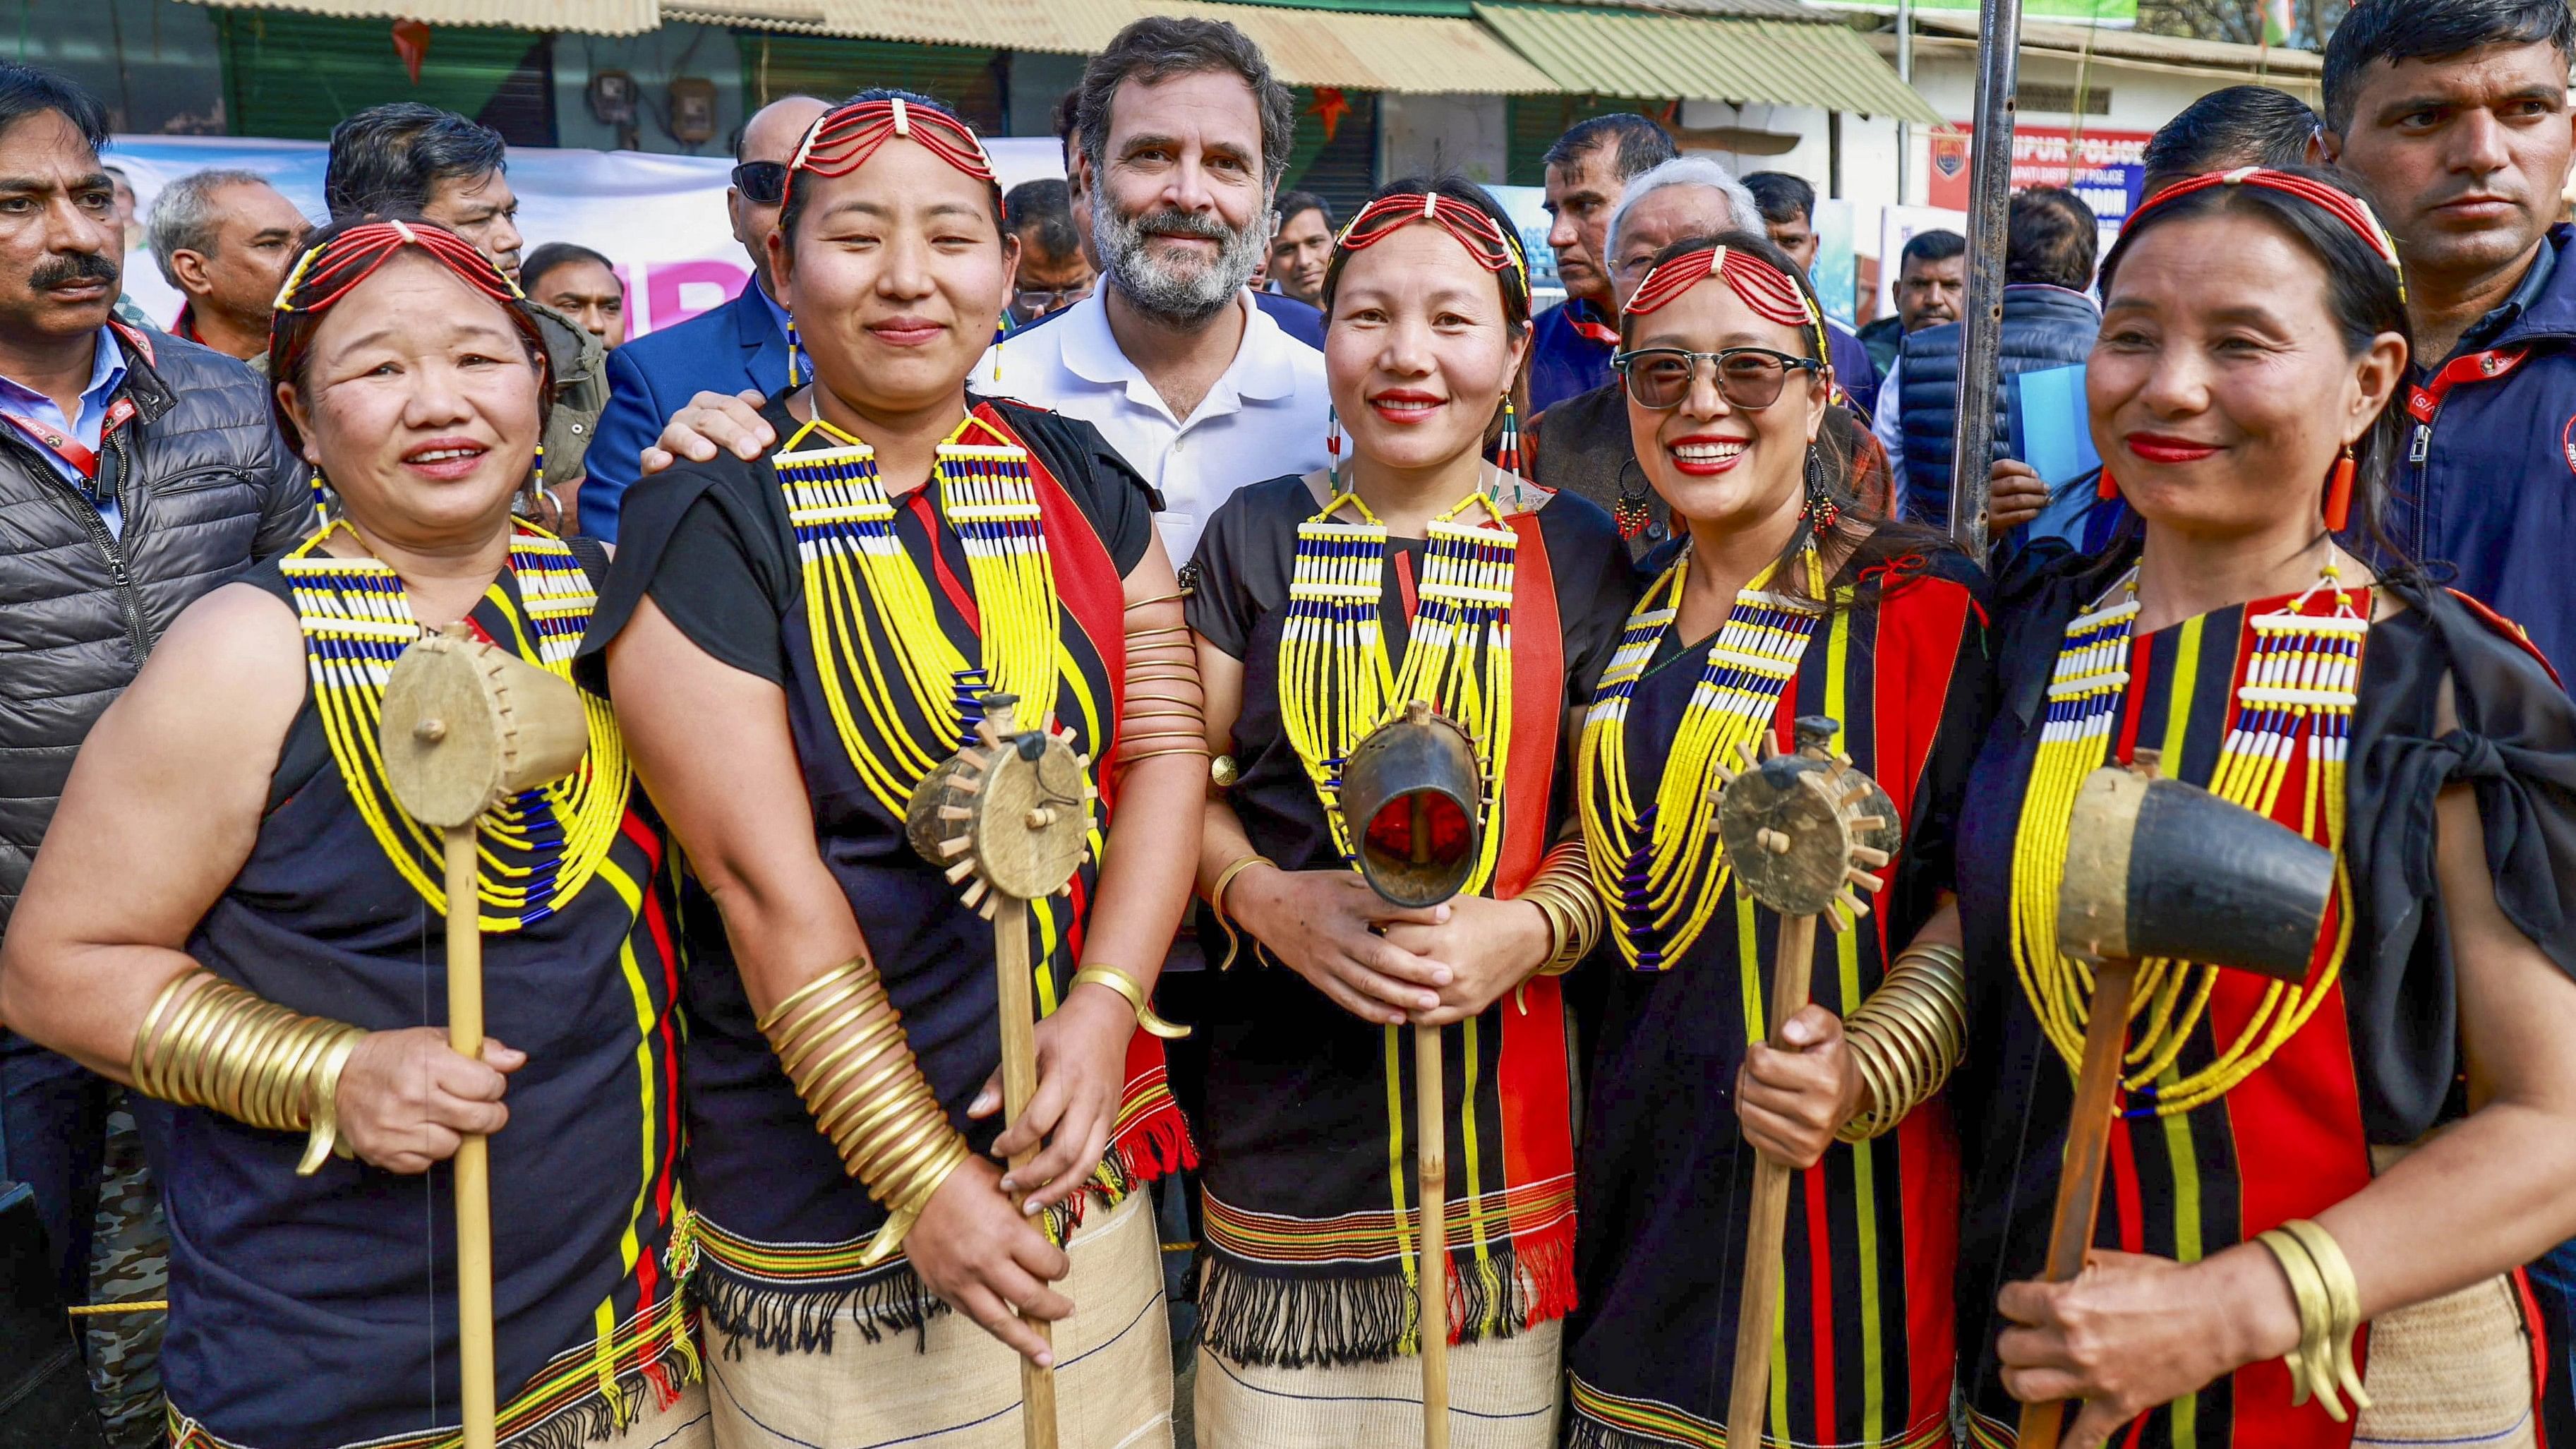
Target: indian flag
2280 21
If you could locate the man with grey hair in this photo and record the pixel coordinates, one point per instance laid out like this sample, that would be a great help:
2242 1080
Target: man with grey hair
1582 443
225 239
1183 136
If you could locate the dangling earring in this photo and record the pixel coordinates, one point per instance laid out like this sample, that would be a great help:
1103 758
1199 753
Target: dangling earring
1822 512
2339 492
1507 456
538 498
321 502
792 379
1333 446
2109 487
1630 512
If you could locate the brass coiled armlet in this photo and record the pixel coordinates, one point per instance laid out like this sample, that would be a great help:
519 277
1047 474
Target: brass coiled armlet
1165 712
1908 1037
1562 891
841 1042
229 1049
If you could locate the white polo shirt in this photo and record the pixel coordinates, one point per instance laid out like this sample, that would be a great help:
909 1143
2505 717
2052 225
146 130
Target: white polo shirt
1264 417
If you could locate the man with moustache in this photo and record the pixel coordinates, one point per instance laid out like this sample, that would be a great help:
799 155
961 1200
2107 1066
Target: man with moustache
2453 117
225 239
1931 286
1570 345
739 348
99 551
1582 443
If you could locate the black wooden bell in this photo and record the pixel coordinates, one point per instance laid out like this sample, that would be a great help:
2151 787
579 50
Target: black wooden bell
1410 796
2158 868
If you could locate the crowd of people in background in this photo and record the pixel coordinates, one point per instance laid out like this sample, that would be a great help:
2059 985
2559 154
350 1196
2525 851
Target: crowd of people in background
1205 379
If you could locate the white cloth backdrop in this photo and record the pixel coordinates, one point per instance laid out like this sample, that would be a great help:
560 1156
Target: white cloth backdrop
660 219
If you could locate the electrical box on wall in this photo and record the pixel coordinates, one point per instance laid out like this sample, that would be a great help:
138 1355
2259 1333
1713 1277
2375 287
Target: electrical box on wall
693 110
612 96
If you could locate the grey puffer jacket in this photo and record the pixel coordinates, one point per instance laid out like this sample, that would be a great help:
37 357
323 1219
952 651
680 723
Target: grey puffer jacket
206 487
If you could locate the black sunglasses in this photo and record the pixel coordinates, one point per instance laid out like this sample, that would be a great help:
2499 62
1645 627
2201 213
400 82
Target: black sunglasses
762 183
1749 378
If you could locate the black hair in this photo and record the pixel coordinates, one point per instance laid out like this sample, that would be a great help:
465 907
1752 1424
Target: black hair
533 268
1932 246
1041 214
1513 280
26 90
1068 120
2051 237
1292 204
2398 30
1783 198
2362 291
2226 129
1160 47
386 160
792 207
1642 145
1841 451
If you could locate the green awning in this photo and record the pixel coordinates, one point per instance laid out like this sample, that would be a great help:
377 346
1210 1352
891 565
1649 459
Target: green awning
1718 58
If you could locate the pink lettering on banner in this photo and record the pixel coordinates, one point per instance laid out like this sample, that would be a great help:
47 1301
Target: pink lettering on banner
674 292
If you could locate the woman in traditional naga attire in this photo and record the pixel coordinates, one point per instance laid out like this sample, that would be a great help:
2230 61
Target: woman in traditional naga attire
797 642
1782 599
2386 1140
234 916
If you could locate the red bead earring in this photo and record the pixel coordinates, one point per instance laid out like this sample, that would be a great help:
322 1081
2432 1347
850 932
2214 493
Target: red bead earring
2109 487
2339 492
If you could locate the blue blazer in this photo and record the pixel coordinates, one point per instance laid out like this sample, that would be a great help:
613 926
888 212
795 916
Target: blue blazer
734 347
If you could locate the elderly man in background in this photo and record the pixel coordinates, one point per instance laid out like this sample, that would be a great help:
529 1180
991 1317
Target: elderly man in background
405 159
1054 271
738 349
99 423
1583 443
582 285
1587 168
225 239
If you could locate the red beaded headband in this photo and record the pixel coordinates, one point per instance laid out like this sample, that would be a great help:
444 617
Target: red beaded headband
1765 288
329 272
842 139
2345 207
1493 248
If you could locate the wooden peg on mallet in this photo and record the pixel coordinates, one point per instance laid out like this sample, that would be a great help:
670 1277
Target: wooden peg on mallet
465 727
1411 800
1801 830
2161 870
1008 818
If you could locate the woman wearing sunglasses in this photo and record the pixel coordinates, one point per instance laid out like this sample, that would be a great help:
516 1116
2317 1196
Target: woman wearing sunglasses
796 642
1780 600
1323 603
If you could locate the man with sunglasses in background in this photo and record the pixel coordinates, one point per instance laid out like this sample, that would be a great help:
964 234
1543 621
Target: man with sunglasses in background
740 347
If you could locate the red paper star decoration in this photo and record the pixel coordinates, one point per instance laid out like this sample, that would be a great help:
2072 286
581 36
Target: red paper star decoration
1330 106
411 42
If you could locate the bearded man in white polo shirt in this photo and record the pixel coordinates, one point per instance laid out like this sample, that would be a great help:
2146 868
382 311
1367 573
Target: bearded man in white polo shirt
1184 135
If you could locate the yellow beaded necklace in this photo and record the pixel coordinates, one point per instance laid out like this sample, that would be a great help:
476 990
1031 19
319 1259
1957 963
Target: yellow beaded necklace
870 613
537 850
1662 870
1335 680
2301 682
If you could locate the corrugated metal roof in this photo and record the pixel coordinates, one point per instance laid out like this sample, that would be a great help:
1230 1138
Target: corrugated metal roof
1628 53
1063 27
581 17
1409 54
2220 55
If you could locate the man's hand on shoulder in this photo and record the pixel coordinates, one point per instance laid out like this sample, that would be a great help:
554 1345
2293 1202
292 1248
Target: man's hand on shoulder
712 422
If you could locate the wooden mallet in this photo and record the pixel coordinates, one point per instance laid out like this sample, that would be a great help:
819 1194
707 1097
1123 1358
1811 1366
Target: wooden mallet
1411 799
2161 870
1008 818
466 726
1802 829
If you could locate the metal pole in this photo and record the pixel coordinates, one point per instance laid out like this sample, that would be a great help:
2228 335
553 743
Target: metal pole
1989 199
1904 128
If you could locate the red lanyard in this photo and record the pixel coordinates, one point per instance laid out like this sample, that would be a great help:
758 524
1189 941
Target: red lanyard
1588 329
2426 401
66 447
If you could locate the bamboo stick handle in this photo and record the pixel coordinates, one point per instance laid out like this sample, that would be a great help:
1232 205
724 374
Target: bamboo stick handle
2088 1147
473 1165
1758 1304
1019 1084
1431 1157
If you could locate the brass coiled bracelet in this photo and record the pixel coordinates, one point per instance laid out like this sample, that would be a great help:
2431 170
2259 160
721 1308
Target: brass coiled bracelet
1562 891
2329 1315
841 1042
230 1050
1165 710
1908 1037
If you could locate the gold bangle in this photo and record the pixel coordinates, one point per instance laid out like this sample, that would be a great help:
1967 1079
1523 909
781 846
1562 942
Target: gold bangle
322 1101
2343 1303
851 967
898 1224
141 1063
2310 1367
1907 1037
1173 597
1125 985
